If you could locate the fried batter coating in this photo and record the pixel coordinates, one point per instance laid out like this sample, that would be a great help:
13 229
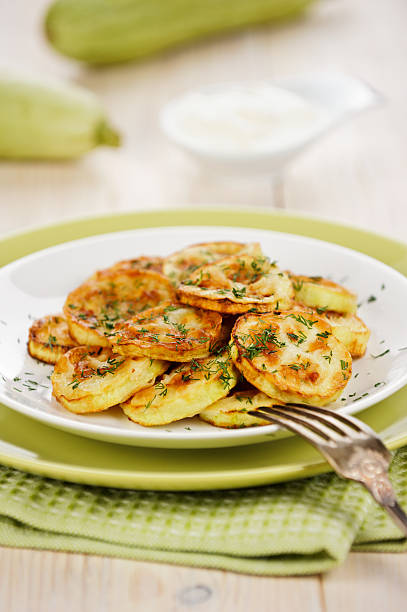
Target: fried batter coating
109 298
49 338
292 356
91 380
171 331
238 284
231 412
178 266
184 392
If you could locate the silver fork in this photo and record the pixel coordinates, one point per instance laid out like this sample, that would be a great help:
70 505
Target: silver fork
351 447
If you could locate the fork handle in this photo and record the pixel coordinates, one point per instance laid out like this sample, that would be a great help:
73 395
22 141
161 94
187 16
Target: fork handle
398 516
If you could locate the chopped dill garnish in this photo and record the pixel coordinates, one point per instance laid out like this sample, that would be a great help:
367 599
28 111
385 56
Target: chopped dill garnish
301 319
297 285
188 378
328 357
381 354
298 338
260 343
360 397
299 366
170 308
181 328
239 293
162 388
324 334
75 383
51 342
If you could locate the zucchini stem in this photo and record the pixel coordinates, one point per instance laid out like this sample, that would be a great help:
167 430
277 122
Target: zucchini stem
108 136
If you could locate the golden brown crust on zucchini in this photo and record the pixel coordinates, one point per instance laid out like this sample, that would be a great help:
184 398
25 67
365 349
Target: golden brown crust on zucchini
181 264
184 392
49 338
347 328
109 298
91 380
293 356
350 330
144 262
238 284
171 331
231 412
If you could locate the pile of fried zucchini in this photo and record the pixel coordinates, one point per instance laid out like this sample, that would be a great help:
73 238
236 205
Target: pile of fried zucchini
215 330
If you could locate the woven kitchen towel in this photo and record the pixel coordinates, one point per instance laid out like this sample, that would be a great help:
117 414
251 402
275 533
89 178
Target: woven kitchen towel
299 527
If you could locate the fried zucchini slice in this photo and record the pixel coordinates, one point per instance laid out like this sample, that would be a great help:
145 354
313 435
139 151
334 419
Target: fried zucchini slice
238 284
49 338
292 356
109 298
231 412
91 380
171 331
350 330
319 292
181 264
141 263
184 392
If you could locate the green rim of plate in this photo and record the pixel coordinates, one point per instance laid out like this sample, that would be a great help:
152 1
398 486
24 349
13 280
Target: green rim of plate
254 465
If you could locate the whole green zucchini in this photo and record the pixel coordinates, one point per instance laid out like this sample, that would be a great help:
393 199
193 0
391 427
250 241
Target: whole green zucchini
108 31
42 119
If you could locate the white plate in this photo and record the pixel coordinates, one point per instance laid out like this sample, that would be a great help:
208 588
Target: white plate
37 285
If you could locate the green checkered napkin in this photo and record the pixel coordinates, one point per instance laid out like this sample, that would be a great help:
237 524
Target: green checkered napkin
300 527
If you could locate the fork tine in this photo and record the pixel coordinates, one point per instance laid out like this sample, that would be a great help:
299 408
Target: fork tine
354 424
290 408
295 424
346 420
334 431
323 423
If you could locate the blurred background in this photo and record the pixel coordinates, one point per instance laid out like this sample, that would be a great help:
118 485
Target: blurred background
354 174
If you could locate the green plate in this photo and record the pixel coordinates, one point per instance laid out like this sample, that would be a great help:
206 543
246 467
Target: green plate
31 446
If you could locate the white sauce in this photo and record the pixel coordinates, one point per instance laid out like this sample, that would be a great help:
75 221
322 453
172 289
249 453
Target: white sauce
236 119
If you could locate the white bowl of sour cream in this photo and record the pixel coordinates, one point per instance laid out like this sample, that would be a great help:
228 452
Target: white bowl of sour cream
261 126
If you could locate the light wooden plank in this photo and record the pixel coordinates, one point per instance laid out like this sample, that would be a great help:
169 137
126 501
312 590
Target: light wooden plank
38 581
367 581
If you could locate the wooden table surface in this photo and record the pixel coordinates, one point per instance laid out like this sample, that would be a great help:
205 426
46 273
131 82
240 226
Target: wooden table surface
356 174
